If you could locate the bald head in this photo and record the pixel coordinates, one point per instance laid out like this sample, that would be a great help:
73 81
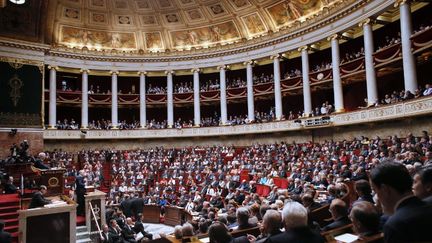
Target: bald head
338 209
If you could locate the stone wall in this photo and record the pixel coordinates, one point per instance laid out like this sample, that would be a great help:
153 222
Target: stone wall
35 138
399 127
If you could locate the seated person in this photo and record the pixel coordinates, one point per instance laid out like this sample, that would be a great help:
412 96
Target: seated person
128 233
9 187
339 212
38 199
139 227
4 236
272 223
309 202
410 218
364 191
295 218
366 220
243 219
218 233
422 186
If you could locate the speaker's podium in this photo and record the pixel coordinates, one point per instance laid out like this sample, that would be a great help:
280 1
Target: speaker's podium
54 223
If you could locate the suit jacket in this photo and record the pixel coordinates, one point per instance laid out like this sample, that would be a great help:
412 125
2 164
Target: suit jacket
297 235
337 224
107 237
10 188
125 206
241 239
410 223
5 237
136 206
38 200
128 233
115 235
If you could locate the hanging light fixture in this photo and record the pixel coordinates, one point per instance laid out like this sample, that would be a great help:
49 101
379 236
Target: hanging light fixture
17 1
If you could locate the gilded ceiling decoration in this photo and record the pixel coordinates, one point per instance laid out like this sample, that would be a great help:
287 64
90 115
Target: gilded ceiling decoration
164 25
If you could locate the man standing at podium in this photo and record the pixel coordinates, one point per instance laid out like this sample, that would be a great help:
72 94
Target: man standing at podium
38 199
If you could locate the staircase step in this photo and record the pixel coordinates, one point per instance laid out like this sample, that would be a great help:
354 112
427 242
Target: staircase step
11 222
84 240
8 209
8 203
12 215
11 229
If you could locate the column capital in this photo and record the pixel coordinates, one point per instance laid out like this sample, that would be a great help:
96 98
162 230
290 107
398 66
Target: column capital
250 62
334 37
276 56
114 72
223 67
169 72
304 48
367 21
53 67
398 3
193 70
142 72
84 71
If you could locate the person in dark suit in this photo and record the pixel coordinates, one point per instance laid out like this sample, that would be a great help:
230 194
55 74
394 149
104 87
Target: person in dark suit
106 237
80 192
136 207
139 227
218 233
243 219
9 187
422 186
125 206
295 218
410 218
115 232
271 225
5 237
128 233
38 199
366 220
339 212
364 191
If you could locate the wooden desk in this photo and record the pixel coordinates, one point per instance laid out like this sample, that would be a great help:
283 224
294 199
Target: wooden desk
56 224
173 215
151 214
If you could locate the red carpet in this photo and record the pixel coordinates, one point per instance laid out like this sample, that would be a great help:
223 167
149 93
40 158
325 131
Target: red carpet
9 204
80 221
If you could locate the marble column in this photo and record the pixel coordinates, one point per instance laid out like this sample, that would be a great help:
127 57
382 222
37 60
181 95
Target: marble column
142 94
52 97
372 91
196 89
114 99
277 86
307 100
170 99
409 64
223 100
250 94
337 81
84 99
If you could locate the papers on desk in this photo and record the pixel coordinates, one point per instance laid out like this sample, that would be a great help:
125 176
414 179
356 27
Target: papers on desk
346 238
205 240
139 236
55 204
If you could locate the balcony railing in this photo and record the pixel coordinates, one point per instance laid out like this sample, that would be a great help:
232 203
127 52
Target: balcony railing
421 106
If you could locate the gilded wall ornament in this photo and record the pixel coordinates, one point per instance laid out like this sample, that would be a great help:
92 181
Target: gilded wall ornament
15 94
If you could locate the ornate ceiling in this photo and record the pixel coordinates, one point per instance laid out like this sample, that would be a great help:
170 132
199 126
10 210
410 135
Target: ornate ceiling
162 25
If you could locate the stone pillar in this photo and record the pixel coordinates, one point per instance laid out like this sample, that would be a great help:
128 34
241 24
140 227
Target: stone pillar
142 94
52 97
250 94
223 100
409 64
84 99
170 98
307 101
97 200
372 91
337 82
114 99
196 89
277 86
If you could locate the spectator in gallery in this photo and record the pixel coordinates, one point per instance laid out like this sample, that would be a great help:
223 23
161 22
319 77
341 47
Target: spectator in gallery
410 218
9 187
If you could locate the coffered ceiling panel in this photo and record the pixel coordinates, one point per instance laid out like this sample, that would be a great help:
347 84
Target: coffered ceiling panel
163 25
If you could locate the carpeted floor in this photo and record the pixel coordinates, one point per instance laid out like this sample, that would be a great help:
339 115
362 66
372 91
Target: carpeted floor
156 229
